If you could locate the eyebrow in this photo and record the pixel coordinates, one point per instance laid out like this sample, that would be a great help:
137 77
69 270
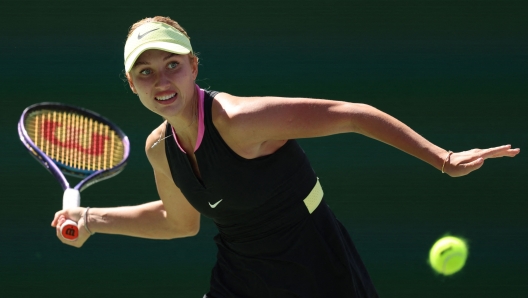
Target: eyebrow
170 55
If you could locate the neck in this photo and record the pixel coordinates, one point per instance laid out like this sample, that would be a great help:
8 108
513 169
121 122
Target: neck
186 127
189 116
194 111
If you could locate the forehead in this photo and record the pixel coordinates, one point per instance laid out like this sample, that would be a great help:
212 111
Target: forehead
153 54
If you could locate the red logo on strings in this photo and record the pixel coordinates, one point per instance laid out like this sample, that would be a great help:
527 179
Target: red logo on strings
72 136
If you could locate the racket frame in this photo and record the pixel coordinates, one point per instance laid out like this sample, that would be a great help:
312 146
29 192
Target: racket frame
54 167
71 197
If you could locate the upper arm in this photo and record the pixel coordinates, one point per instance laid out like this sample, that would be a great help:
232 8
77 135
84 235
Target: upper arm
178 210
278 118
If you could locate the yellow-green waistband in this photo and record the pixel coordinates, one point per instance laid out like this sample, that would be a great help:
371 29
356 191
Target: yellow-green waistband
314 198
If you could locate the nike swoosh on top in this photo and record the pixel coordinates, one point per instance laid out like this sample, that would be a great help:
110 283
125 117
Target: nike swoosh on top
215 204
140 36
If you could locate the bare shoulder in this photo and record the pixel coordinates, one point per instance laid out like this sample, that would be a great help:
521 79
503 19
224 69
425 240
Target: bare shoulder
225 106
230 110
248 115
239 121
155 148
230 105
253 121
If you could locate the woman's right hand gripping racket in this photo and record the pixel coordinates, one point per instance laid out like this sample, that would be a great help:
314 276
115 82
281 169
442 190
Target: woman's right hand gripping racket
73 141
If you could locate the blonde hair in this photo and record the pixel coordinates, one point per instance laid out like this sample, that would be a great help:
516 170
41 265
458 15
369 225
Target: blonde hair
166 20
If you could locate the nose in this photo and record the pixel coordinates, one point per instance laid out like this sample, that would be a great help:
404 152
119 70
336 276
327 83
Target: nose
163 80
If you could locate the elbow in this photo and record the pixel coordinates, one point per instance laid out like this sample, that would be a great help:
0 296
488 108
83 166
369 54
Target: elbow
362 115
184 230
193 230
192 227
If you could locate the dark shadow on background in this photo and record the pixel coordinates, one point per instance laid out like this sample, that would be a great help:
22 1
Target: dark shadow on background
455 71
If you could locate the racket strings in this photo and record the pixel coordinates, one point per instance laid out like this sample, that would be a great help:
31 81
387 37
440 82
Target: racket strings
75 140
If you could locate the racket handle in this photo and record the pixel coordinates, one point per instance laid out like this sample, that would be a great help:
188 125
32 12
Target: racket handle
71 198
69 229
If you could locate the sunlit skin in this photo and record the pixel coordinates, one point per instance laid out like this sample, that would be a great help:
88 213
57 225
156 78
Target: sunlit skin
160 74
252 127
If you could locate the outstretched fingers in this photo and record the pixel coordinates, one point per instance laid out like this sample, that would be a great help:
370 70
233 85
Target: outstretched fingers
501 151
463 163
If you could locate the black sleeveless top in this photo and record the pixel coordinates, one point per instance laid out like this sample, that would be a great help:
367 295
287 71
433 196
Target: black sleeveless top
269 245
251 190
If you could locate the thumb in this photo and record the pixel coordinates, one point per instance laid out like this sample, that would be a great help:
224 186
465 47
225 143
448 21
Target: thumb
474 165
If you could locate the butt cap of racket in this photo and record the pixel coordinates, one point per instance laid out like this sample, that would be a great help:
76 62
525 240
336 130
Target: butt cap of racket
69 230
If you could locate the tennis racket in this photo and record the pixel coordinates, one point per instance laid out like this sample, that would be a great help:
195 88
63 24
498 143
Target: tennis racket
73 141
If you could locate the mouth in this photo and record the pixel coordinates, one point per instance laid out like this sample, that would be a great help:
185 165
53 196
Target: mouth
166 99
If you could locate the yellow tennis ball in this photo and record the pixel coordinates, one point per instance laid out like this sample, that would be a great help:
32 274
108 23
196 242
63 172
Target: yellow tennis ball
448 255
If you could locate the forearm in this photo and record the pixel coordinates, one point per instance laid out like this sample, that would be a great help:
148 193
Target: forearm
378 125
145 221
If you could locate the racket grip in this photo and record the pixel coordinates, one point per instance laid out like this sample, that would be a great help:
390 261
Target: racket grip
69 230
71 198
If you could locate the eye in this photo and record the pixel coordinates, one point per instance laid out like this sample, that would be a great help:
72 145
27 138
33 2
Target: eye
146 71
172 65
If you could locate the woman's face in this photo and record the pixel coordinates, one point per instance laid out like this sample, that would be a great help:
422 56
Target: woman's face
164 81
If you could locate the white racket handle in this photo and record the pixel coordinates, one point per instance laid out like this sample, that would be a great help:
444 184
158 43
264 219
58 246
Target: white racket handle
69 229
71 198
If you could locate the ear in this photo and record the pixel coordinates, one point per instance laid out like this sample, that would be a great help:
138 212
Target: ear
131 83
194 66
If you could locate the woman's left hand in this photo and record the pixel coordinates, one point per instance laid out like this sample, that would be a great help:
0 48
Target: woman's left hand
465 162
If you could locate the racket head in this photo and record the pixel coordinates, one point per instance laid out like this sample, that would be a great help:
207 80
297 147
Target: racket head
74 141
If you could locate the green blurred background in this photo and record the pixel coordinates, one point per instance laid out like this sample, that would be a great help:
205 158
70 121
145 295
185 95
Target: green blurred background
455 71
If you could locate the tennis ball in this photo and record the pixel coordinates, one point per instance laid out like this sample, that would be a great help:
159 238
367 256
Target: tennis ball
448 255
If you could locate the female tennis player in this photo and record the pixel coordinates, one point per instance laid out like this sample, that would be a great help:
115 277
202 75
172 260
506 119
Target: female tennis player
235 159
